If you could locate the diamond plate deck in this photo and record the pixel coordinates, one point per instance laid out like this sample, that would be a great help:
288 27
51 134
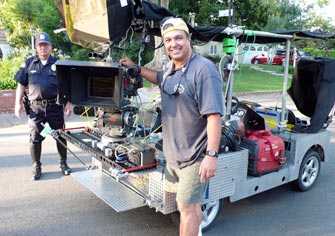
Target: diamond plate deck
116 195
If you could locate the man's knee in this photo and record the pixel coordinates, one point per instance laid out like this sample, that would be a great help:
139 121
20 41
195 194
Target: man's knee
185 208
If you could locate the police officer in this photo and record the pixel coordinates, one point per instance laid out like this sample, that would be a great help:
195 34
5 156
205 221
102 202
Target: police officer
39 74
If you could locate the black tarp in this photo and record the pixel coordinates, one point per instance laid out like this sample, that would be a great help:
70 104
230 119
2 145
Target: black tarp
153 12
313 90
119 18
107 21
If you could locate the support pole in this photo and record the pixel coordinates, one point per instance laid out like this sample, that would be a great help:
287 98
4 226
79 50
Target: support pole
282 124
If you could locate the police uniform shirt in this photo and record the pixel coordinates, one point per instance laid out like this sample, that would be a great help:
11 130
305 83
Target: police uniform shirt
40 78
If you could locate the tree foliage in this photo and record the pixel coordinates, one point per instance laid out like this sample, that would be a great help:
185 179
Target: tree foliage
267 15
21 17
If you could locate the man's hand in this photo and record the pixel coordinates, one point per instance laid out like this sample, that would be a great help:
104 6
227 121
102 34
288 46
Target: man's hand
19 108
208 168
127 62
68 109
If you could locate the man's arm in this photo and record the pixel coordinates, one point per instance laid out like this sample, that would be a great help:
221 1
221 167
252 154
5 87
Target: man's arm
18 100
209 164
148 74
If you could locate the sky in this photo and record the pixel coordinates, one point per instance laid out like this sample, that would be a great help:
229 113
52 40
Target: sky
328 11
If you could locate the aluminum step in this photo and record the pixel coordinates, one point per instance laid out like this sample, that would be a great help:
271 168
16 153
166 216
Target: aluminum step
115 194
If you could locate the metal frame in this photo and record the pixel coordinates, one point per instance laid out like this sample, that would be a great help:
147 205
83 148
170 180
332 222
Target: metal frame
232 180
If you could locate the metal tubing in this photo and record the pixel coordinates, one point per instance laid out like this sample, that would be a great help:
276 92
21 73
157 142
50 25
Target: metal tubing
284 94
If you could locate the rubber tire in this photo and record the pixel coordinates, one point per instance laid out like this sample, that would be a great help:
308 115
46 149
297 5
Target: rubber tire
309 171
212 213
256 62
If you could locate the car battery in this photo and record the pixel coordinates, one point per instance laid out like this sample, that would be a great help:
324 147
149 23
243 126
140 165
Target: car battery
271 116
266 152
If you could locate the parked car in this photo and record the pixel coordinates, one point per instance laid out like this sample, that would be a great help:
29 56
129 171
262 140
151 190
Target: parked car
300 54
279 57
259 59
263 59
303 54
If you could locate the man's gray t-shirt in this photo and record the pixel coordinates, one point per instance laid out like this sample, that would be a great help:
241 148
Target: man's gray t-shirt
184 115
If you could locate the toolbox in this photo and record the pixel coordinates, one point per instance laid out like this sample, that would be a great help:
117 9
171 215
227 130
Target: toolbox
266 152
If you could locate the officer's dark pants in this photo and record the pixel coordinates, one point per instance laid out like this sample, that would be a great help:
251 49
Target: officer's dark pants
38 115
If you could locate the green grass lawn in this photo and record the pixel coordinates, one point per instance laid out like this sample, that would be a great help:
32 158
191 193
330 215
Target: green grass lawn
251 80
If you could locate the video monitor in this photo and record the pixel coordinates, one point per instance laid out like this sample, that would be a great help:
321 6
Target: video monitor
101 87
92 84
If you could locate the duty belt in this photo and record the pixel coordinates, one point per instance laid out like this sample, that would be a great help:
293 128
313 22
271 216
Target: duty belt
44 102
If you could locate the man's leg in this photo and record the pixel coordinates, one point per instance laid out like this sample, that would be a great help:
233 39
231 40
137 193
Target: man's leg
55 118
35 151
36 118
62 151
190 219
190 193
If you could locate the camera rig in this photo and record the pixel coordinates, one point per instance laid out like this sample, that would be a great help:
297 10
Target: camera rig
119 136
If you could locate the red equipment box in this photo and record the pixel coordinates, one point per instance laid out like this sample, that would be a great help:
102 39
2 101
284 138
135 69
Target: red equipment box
266 152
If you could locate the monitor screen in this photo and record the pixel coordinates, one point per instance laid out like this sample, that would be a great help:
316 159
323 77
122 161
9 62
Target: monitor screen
101 87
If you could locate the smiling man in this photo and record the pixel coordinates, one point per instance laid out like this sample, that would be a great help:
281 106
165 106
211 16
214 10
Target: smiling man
192 106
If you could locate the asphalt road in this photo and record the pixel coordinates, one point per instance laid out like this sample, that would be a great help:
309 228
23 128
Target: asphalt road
58 205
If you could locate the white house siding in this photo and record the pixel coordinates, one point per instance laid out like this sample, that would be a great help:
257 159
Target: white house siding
245 51
5 47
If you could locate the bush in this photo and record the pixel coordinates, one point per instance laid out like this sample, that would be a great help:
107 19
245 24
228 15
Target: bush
8 68
320 53
11 65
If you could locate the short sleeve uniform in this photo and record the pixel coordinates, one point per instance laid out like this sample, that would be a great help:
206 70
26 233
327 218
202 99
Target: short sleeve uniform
42 85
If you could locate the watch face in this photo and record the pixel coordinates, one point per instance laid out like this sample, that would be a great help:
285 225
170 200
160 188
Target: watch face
211 153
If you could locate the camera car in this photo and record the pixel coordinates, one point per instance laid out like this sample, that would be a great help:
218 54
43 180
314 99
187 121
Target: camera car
127 169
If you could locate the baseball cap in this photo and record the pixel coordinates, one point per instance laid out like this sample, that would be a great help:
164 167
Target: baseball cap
173 24
42 37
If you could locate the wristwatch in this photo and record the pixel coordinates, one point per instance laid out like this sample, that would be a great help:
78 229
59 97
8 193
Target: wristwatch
212 153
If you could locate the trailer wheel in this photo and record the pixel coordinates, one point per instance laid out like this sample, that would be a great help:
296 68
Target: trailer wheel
210 214
309 171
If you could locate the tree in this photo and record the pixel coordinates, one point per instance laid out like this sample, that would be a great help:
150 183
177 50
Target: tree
19 17
285 16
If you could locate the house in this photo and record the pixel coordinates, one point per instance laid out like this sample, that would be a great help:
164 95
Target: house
210 49
5 48
245 51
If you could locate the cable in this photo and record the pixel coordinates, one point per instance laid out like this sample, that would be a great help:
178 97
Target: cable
228 133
